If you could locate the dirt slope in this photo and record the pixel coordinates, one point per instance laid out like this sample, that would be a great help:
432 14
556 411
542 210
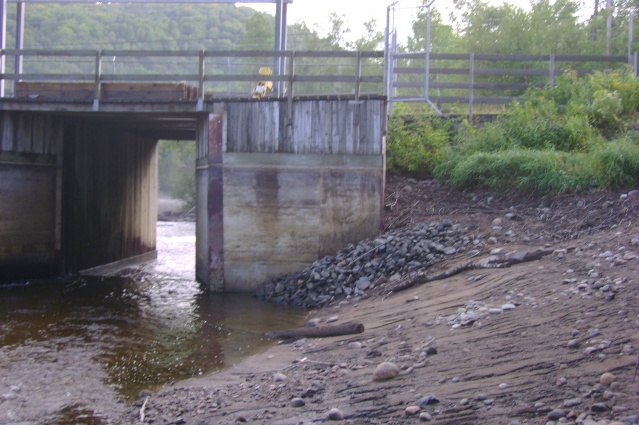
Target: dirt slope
526 344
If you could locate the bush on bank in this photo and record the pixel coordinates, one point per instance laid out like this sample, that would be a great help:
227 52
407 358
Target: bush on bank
578 135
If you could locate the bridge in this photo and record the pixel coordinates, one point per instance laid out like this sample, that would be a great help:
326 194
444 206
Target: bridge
282 180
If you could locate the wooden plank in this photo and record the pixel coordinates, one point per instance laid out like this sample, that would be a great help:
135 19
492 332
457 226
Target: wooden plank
110 91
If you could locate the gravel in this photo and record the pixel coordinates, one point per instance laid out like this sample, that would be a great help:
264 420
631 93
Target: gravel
371 263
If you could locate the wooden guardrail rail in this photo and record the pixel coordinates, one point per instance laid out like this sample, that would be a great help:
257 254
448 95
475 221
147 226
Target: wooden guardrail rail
337 72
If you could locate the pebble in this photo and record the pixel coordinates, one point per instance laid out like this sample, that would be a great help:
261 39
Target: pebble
607 378
561 382
426 400
556 414
297 402
279 377
413 410
335 414
425 417
332 319
599 407
355 344
574 343
503 386
385 371
313 322
572 402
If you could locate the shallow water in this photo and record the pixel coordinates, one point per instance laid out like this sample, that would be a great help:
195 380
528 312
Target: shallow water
72 350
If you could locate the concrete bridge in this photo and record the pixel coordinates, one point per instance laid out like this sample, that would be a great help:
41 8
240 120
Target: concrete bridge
281 181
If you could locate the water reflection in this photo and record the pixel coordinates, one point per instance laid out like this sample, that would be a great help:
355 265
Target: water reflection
81 341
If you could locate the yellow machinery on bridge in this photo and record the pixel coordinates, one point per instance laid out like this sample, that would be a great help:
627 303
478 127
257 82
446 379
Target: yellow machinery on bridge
263 87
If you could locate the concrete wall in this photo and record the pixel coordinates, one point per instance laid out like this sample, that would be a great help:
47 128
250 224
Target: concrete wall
296 186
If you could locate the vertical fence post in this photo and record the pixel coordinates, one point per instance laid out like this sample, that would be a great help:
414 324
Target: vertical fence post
358 74
97 89
393 76
19 38
631 26
635 62
291 89
3 41
471 88
551 70
200 86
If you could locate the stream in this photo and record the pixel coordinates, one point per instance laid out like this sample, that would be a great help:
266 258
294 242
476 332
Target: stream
75 350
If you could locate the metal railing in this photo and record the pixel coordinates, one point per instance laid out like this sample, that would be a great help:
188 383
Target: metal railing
476 79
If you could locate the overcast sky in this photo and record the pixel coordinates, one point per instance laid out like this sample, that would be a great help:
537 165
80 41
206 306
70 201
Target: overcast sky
316 12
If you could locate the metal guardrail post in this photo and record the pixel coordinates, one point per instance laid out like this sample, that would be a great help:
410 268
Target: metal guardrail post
291 89
3 41
471 92
358 75
200 87
19 37
97 90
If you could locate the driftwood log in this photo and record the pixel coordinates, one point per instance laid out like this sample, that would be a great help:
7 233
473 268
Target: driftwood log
318 331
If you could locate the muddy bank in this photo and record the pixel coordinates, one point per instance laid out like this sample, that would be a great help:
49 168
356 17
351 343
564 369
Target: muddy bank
552 340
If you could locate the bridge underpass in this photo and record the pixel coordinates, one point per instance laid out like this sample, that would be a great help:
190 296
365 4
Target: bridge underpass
277 187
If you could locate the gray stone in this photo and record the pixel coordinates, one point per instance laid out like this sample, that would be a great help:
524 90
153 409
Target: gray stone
607 378
426 400
413 410
385 371
556 414
572 402
425 417
335 414
279 377
297 402
599 407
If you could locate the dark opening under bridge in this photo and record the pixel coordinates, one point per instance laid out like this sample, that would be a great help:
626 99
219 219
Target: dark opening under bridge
281 181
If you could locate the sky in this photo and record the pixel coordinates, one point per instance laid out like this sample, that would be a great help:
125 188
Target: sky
315 13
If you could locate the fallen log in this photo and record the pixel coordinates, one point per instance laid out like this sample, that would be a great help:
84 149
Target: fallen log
348 328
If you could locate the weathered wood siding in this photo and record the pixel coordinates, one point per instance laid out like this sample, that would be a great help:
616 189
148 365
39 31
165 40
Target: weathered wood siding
29 175
112 206
329 126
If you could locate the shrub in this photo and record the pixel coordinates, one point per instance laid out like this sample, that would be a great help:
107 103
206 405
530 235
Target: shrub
415 144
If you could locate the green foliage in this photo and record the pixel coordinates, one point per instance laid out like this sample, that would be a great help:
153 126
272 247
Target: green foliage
416 144
524 169
177 170
552 140
616 164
